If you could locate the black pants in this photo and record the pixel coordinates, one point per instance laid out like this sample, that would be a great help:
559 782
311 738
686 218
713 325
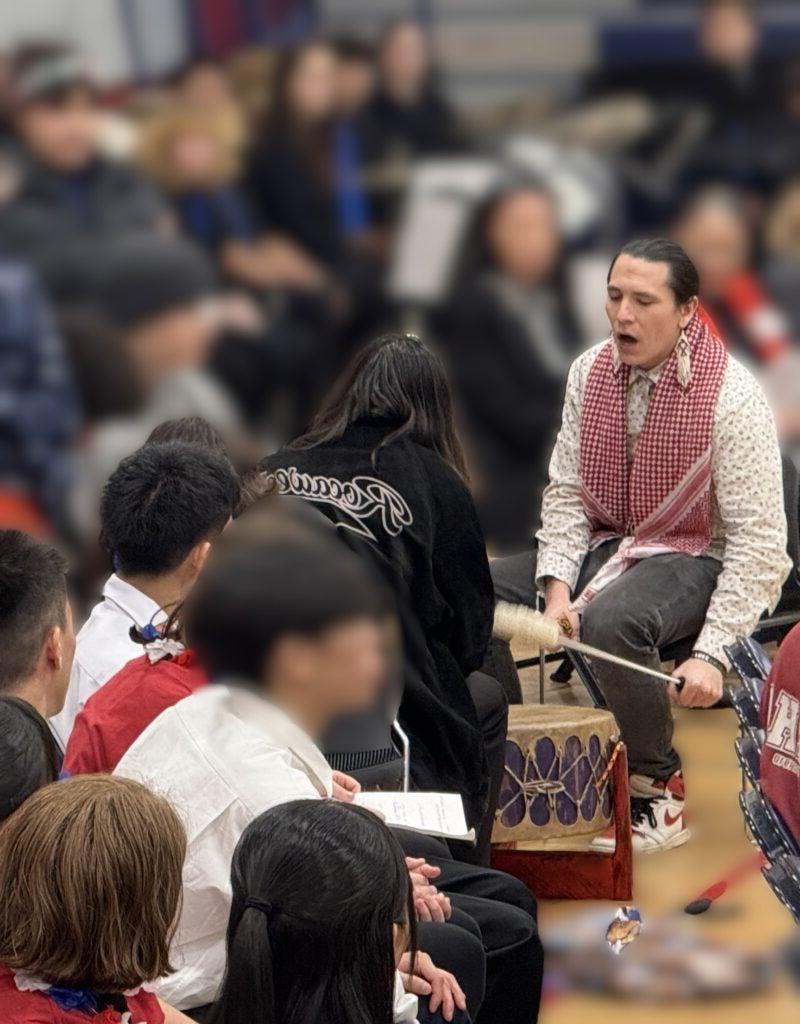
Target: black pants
656 602
491 705
424 1015
501 912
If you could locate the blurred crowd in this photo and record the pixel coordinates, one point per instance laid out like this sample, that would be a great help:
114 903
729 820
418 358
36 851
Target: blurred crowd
220 243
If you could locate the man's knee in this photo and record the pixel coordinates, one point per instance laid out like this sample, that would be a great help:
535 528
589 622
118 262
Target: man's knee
617 627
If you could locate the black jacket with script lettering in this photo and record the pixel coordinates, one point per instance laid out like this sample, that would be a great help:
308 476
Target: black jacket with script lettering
414 517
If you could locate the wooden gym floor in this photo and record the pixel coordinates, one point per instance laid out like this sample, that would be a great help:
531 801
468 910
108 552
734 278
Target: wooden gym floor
748 915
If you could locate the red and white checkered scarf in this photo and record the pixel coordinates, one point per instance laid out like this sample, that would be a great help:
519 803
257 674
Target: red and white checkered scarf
661 501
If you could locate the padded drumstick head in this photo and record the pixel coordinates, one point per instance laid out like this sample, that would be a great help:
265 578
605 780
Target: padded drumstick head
524 623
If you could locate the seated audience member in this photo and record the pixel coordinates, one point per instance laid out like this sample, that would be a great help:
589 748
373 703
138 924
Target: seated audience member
409 116
715 230
29 757
780 718
161 508
72 206
90 881
782 248
158 296
663 520
105 373
36 632
508 337
39 409
729 79
383 462
290 633
194 157
322 917
120 711
291 170
355 144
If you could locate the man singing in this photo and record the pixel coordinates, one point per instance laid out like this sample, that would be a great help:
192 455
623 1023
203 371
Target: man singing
663 519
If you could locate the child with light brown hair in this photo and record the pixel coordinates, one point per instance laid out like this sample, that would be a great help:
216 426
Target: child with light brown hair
194 156
90 883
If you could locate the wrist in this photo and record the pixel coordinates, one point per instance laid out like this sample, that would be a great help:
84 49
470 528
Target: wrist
556 591
710 660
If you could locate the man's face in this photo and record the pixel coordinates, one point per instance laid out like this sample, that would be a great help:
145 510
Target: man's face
645 319
178 339
729 34
405 59
62 133
524 237
718 244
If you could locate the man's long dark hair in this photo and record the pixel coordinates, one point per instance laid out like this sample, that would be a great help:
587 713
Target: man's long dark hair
395 378
317 888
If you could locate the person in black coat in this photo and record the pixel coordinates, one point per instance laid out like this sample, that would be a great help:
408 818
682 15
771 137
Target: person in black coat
383 462
408 112
508 336
68 205
290 176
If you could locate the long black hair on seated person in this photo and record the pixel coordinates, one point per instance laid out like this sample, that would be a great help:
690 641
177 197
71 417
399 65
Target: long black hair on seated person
318 887
398 378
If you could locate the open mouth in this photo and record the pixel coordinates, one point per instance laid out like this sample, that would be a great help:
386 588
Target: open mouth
626 339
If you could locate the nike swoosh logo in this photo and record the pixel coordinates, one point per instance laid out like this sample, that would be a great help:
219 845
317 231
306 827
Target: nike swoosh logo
669 820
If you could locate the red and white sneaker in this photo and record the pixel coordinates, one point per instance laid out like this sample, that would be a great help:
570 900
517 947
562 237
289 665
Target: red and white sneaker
657 819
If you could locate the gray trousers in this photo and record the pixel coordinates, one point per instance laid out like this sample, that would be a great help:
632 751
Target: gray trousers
658 601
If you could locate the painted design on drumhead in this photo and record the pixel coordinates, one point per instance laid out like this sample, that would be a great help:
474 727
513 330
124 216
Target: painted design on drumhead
512 796
568 800
553 786
545 770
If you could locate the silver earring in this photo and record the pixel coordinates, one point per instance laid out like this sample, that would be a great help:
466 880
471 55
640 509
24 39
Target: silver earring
684 360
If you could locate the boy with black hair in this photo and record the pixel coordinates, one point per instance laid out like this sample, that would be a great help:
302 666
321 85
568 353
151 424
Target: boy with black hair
36 633
160 511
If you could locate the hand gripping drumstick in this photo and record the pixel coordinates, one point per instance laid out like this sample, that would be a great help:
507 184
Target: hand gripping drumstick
517 620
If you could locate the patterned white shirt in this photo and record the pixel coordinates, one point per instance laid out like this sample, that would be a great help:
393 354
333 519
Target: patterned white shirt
748 534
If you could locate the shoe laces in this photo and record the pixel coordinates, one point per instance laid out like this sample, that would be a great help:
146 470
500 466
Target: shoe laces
641 808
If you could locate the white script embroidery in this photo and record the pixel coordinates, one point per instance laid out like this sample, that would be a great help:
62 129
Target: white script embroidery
359 498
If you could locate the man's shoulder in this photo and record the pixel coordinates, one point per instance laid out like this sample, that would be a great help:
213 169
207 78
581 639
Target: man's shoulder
582 364
739 387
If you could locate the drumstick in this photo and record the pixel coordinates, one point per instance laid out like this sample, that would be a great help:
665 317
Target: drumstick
519 620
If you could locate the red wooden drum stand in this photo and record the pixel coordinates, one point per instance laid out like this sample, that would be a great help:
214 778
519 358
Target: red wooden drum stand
560 875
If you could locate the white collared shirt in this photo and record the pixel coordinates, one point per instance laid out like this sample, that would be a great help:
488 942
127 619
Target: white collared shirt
103 646
221 757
